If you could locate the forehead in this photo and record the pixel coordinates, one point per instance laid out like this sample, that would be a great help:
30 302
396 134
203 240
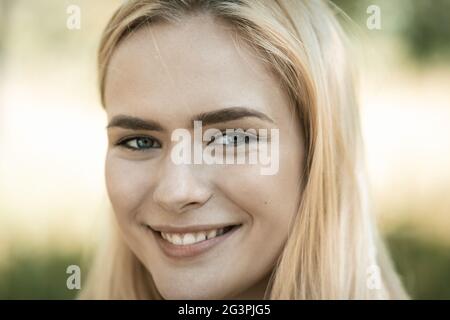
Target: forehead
170 71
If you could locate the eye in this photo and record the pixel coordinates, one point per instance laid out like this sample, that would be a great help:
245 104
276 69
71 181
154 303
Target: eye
233 138
139 143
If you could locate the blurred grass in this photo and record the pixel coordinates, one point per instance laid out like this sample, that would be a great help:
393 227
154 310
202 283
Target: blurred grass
423 264
39 275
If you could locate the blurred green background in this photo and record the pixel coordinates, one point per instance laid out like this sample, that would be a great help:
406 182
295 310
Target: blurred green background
50 209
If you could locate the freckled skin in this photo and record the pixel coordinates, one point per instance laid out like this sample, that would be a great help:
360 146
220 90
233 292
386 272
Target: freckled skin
168 73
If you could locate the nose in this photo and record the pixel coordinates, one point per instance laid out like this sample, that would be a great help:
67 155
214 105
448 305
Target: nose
180 188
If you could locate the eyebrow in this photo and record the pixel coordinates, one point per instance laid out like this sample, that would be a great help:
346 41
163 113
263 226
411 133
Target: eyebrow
207 118
229 114
134 123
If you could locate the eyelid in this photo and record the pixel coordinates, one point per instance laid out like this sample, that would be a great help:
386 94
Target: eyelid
124 140
224 132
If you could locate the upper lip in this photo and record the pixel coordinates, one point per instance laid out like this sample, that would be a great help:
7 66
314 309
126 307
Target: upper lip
189 229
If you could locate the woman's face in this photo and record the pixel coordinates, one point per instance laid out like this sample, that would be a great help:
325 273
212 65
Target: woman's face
203 231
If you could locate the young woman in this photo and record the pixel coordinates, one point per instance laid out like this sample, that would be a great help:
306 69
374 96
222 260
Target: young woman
211 231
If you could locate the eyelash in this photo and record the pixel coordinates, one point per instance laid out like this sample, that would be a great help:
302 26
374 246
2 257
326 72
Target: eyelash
123 143
247 141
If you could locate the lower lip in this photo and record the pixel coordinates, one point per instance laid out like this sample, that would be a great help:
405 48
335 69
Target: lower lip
190 250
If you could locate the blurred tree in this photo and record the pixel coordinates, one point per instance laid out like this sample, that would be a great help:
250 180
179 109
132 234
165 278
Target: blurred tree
423 25
428 29
5 8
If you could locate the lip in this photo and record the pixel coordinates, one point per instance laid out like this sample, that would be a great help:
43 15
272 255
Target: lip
190 250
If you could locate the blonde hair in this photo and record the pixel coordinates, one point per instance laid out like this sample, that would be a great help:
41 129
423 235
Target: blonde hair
333 247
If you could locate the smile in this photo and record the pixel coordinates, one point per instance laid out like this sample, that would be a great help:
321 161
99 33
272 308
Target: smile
186 243
191 238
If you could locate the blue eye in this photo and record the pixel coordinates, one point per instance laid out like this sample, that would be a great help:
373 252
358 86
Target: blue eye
233 139
140 143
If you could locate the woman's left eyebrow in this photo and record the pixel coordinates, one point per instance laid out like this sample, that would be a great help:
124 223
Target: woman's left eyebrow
229 114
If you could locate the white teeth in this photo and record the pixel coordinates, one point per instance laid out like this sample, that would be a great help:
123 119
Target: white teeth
176 239
211 234
191 238
200 236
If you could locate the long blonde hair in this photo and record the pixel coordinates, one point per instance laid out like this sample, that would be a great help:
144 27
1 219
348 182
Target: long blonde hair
333 250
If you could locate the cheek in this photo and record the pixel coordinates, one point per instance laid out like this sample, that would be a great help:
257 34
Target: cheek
127 183
270 201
